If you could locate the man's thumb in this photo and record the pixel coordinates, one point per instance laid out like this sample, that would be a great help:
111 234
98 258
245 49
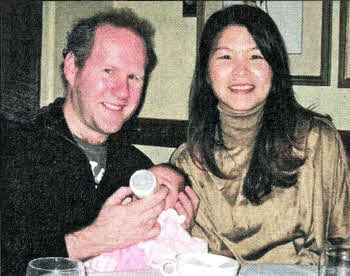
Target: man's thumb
118 196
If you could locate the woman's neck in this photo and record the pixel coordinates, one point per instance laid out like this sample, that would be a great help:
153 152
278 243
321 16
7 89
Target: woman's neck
240 127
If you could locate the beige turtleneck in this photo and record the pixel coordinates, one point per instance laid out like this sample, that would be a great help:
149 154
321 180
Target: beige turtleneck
240 128
238 133
289 225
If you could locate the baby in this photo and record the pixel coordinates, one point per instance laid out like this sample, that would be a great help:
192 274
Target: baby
166 174
172 240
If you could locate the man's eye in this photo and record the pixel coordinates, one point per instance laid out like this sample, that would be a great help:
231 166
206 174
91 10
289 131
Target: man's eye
135 77
107 70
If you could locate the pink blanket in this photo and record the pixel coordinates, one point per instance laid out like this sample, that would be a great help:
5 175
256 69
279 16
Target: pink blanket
172 240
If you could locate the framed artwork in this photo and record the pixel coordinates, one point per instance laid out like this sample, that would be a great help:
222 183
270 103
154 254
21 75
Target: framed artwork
282 12
344 45
309 38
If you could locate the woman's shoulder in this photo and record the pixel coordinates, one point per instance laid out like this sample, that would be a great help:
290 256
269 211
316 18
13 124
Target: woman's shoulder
320 132
311 123
187 158
315 133
181 153
323 127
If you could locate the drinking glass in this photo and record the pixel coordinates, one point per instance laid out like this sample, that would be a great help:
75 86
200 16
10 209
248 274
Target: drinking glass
334 261
55 266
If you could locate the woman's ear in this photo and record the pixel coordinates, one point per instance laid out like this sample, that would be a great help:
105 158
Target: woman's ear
70 69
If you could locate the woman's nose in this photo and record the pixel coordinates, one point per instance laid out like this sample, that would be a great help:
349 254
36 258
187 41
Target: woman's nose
239 68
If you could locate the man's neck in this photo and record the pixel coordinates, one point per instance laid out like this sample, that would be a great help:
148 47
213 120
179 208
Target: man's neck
79 129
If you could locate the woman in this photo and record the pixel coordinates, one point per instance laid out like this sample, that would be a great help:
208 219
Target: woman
272 177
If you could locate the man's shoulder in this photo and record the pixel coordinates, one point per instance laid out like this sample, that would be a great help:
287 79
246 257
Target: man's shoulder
29 133
33 141
15 135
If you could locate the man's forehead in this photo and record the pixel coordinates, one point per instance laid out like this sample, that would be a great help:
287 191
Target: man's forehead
108 31
120 44
107 37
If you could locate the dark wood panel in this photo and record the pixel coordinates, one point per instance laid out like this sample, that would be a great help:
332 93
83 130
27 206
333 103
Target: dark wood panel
157 132
345 135
343 80
172 133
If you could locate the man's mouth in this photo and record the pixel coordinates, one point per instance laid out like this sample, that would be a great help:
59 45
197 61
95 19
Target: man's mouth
114 106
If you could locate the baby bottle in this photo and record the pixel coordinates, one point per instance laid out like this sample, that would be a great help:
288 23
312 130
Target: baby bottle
143 183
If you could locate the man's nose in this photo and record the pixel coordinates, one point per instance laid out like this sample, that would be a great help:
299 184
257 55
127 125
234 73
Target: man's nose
120 86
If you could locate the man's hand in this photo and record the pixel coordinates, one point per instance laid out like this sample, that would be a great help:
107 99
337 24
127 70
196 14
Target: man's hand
117 225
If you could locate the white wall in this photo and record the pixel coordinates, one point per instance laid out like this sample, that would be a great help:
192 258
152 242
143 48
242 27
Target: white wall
175 46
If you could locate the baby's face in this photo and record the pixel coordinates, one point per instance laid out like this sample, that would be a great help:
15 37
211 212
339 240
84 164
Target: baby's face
167 176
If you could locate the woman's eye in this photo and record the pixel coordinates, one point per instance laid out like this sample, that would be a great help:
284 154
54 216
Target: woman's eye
224 57
107 70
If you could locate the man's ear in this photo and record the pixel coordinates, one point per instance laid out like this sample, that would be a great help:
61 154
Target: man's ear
70 69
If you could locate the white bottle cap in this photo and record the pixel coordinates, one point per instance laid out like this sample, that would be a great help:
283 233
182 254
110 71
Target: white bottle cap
143 183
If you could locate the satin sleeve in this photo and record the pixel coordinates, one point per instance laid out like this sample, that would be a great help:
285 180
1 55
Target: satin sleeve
339 191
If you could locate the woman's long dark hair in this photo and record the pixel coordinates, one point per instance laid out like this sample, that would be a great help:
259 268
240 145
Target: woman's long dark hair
272 162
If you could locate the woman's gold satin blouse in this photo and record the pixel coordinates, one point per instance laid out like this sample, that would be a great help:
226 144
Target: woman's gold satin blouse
289 226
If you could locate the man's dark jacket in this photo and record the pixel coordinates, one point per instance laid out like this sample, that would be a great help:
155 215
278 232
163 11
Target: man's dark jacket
50 188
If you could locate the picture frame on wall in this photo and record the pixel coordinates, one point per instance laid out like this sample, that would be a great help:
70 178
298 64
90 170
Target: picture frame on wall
311 64
282 12
344 45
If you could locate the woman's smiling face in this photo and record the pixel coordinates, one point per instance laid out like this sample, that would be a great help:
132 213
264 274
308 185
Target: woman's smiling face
238 72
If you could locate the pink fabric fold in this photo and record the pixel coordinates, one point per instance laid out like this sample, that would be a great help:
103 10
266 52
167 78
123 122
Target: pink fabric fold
172 240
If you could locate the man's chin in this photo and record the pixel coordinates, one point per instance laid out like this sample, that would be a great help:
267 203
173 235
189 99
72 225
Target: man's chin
112 129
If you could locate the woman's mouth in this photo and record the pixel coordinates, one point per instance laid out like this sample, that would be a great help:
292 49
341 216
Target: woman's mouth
242 88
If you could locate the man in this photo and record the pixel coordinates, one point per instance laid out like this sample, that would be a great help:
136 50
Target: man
64 182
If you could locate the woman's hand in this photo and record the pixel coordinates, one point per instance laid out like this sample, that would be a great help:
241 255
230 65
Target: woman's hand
187 205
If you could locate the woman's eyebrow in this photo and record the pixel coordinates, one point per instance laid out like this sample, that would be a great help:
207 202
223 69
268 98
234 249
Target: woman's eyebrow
221 48
227 48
